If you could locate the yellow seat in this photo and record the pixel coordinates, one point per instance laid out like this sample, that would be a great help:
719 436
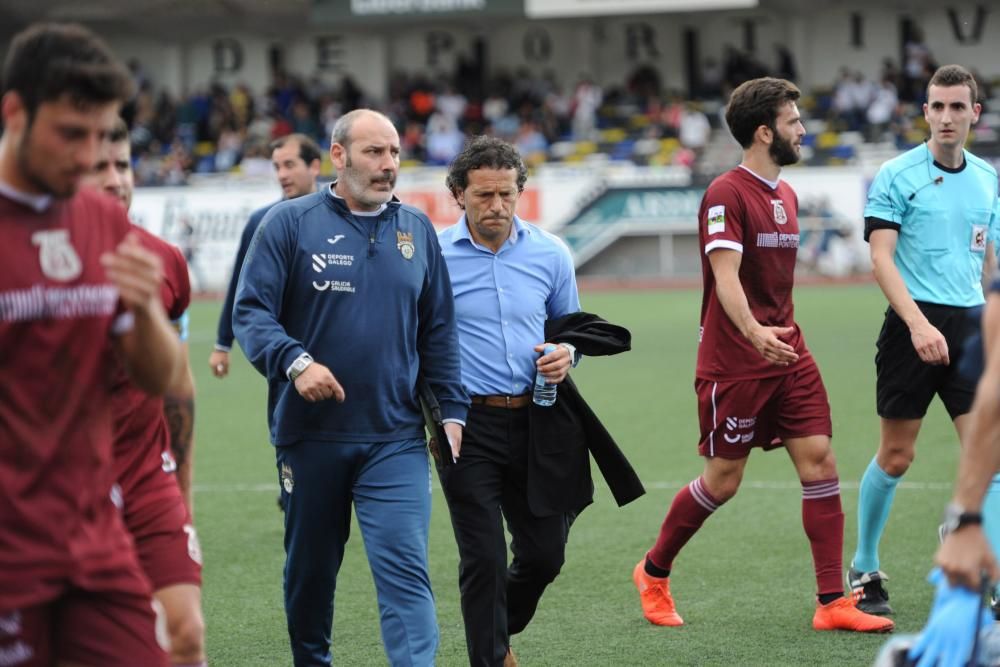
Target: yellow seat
613 135
826 140
203 148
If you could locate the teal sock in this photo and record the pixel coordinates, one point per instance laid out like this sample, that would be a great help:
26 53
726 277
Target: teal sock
991 514
874 502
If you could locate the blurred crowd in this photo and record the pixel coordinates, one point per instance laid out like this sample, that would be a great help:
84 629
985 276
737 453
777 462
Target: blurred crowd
221 129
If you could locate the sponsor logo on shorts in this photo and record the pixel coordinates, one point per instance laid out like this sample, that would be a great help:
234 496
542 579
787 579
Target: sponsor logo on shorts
739 429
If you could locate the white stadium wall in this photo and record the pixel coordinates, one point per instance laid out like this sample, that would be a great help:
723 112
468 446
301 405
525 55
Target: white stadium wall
607 48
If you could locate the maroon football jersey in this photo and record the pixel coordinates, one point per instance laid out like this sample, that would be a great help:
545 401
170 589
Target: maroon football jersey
142 441
58 313
741 212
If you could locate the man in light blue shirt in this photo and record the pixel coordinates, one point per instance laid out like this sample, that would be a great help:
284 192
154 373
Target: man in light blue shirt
508 278
932 212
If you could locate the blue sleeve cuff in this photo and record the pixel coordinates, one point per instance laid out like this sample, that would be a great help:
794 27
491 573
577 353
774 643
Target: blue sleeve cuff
454 412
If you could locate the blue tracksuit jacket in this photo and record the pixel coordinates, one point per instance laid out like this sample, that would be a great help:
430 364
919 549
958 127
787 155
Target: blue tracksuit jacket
370 298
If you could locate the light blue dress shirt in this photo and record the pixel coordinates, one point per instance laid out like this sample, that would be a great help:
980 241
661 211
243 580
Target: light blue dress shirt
502 300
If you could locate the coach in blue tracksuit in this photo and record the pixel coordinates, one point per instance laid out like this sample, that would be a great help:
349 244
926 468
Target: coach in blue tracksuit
345 296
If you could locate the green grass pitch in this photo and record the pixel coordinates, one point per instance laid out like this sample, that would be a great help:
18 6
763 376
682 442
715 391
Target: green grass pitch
744 584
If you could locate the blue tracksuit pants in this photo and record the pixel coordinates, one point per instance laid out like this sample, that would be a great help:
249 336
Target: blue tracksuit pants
389 485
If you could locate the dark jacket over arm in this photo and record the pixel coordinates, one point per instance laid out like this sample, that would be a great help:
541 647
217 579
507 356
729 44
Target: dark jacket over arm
559 479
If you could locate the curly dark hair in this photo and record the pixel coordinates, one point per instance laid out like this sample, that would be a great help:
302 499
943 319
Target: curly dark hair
484 152
49 60
755 103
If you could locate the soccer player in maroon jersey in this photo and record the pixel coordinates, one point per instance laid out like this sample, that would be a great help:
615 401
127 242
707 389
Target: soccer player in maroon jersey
757 383
79 296
149 446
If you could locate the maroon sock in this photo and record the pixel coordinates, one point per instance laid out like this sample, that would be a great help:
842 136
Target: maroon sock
823 520
691 506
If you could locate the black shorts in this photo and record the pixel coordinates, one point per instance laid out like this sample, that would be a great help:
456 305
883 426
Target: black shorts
905 384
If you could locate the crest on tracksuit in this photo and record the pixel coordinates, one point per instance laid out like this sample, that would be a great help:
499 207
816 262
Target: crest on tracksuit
287 479
404 241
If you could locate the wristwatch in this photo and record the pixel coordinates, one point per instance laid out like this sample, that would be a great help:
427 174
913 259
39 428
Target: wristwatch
956 516
573 356
300 364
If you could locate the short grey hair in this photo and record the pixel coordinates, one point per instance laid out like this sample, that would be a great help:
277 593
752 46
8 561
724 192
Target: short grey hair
342 128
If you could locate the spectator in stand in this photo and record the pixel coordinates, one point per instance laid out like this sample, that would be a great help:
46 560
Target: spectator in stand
695 129
881 111
586 101
918 65
785 63
413 142
450 102
304 120
861 92
711 78
444 139
844 101
530 142
228 148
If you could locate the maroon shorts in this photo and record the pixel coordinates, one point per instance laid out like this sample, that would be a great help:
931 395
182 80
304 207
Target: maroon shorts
738 416
165 539
109 629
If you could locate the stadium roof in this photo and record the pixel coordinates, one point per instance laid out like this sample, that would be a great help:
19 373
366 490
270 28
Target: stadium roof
193 18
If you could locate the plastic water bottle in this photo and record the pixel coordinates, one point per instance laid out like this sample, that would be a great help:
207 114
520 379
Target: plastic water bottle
545 393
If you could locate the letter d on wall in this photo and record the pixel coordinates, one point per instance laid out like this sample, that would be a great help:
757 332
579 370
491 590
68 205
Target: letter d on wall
227 55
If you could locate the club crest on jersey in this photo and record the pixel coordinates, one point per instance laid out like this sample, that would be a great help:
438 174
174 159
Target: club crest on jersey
404 241
287 479
780 216
716 219
56 254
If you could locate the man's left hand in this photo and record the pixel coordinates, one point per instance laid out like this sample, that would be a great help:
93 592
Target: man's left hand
554 365
454 432
964 555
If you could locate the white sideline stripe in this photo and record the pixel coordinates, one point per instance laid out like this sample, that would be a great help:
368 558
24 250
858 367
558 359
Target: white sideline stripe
747 484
